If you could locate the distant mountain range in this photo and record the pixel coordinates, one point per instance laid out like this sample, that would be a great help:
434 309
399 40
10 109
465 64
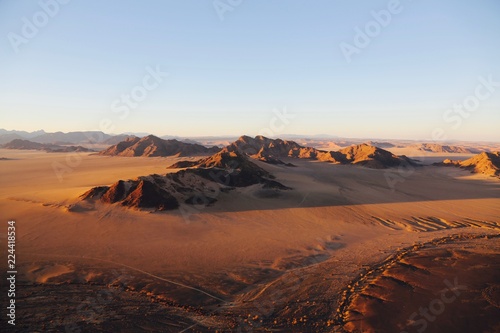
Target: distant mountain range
21 134
51 148
80 137
86 137
438 148
259 148
324 142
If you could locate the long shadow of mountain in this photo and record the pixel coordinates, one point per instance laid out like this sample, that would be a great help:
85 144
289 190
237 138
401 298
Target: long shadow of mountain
241 181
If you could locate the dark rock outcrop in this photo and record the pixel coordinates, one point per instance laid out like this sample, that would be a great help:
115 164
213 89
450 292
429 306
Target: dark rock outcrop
201 184
484 163
152 146
272 150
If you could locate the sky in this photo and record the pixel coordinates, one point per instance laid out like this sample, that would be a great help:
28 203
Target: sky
403 69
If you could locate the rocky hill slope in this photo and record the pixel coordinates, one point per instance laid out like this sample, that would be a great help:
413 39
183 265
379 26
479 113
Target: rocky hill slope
483 163
152 146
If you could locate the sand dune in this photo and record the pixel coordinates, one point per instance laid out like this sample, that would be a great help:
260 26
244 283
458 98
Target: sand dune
432 223
399 294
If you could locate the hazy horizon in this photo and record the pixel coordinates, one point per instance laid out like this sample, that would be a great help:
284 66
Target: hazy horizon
291 136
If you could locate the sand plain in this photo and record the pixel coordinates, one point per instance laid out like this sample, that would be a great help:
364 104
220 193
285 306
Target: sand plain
250 262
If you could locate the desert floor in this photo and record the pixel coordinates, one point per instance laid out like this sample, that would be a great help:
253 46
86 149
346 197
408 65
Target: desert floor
346 247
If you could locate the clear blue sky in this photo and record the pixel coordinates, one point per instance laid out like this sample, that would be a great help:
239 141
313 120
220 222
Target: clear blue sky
227 76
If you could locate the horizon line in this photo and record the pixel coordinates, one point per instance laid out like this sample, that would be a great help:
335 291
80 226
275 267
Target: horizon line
282 135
